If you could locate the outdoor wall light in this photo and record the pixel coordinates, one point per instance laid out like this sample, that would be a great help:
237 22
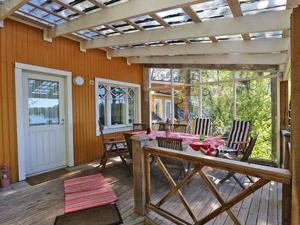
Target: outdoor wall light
78 80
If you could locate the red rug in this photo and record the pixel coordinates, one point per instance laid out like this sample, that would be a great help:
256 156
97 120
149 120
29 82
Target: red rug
87 192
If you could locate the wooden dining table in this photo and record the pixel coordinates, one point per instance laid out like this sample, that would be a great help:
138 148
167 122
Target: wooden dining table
207 146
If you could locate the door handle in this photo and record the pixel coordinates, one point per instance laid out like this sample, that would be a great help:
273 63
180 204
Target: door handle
62 122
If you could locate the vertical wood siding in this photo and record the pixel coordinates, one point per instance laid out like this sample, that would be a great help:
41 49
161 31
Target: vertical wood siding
24 44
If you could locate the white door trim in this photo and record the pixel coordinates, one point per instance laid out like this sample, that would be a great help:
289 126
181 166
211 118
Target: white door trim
19 68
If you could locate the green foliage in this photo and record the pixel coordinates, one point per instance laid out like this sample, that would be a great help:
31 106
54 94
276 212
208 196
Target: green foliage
253 102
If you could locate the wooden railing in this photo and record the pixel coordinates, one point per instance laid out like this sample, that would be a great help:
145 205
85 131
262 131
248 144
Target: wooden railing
142 181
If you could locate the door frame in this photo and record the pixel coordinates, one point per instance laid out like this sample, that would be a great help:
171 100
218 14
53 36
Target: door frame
19 68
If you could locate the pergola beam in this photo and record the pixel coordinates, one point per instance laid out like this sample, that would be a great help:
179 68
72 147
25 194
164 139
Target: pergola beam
9 6
120 12
225 47
246 59
267 21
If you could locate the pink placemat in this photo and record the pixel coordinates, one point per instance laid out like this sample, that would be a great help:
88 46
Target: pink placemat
87 192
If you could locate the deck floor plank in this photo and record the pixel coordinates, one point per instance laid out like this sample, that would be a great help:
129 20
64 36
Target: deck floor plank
40 204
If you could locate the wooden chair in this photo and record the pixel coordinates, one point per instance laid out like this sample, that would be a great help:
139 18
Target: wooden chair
162 126
127 137
238 137
112 148
182 128
175 144
202 126
139 126
244 158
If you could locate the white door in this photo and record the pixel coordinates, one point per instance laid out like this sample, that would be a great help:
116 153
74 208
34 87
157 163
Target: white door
45 134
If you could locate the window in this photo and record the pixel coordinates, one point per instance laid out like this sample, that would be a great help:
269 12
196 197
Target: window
43 102
117 106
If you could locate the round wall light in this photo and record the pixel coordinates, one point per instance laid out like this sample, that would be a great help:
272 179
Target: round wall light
78 80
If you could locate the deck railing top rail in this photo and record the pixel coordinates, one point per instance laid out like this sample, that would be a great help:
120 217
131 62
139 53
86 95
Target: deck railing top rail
265 172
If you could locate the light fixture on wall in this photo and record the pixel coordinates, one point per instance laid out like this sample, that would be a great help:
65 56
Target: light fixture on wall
78 80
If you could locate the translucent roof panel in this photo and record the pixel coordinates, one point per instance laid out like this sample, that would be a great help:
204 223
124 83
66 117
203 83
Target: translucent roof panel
212 9
40 15
236 37
123 26
88 33
174 16
86 6
156 43
81 36
175 42
22 13
200 40
252 7
146 22
272 34
111 2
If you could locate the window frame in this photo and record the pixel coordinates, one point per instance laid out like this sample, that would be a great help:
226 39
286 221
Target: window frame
109 128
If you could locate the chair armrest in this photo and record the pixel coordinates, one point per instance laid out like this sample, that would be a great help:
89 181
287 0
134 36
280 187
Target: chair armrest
115 142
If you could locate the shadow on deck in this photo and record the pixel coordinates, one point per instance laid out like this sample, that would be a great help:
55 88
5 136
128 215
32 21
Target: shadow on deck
40 204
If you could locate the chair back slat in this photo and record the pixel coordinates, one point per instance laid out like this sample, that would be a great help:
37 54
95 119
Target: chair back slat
182 128
162 126
101 128
170 143
202 126
249 149
138 126
128 140
239 133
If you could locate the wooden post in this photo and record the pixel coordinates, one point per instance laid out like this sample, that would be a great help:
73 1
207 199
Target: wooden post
138 142
187 95
146 99
284 107
295 114
274 117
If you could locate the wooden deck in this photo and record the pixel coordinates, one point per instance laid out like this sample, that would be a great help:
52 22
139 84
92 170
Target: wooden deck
40 204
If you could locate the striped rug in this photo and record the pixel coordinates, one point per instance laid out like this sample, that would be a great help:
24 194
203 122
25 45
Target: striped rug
87 192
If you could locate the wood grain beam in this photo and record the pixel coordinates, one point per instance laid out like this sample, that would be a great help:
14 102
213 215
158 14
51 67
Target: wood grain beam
116 13
9 7
267 21
255 59
225 47
295 113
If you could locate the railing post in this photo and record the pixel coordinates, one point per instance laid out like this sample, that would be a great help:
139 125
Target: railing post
138 142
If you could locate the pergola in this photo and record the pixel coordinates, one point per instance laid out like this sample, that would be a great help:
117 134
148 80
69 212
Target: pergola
221 34
167 32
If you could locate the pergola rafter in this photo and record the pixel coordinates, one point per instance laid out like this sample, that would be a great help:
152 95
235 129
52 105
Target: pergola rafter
121 12
261 22
9 7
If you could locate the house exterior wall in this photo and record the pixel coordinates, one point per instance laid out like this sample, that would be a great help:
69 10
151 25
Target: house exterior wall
24 44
